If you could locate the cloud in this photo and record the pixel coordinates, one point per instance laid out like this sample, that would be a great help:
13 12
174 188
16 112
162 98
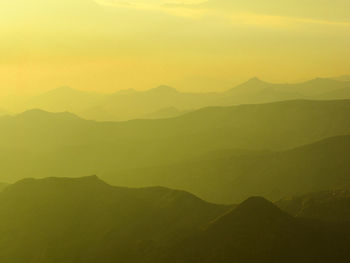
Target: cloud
198 9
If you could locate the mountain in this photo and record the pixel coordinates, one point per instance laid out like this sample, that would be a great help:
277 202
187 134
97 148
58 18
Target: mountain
135 105
337 94
35 115
132 104
332 205
86 220
258 91
77 220
343 78
232 176
140 104
64 99
164 113
258 231
70 146
2 186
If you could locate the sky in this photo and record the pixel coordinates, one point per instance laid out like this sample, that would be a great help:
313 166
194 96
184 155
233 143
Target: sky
192 45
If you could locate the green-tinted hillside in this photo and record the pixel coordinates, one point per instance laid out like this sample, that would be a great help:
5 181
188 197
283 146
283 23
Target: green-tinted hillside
231 176
78 220
259 232
64 145
326 205
86 220
2 186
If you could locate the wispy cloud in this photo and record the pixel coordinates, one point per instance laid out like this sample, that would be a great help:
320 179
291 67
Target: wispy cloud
194 9
262 20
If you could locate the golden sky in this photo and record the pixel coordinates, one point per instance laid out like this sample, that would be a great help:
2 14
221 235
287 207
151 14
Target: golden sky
193 45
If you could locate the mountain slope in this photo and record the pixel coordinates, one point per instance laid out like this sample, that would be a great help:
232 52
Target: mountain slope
64 99
86 220
132 104
2 186
331 205
62 144
138 104
258 231
231 176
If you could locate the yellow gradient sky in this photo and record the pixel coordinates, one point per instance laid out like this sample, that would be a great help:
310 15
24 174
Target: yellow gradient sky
193 45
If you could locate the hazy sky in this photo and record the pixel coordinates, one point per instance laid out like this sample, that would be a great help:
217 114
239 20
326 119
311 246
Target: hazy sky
193 45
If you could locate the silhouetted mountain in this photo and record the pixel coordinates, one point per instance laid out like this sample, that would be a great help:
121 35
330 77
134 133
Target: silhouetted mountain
35 115
343 78
64 99
164 113
2 186
76 147
231 176
339 94
87 220
326 205
132 104
135 105
257 91
258 231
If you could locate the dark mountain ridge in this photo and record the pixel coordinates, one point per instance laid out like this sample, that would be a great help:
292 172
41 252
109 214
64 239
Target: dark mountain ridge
87 220
75 220
258 231
65 145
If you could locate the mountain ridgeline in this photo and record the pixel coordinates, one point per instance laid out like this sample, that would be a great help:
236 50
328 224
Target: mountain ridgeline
86 220
259 149
226 153
165 101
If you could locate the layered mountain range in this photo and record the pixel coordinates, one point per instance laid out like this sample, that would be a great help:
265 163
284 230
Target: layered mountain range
86 220
166 102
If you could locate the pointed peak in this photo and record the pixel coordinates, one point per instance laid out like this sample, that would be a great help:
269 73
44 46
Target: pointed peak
257 203
251 212
255 79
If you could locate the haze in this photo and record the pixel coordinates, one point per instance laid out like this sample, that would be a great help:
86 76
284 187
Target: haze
107 45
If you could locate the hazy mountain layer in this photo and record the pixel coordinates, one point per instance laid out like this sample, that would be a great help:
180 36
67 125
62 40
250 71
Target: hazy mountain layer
2 186
38 143
231 176
131 104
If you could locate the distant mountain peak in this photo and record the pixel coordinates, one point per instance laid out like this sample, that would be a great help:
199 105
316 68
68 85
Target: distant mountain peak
255 211
55 183
254 80
164 88
257 204
37 114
